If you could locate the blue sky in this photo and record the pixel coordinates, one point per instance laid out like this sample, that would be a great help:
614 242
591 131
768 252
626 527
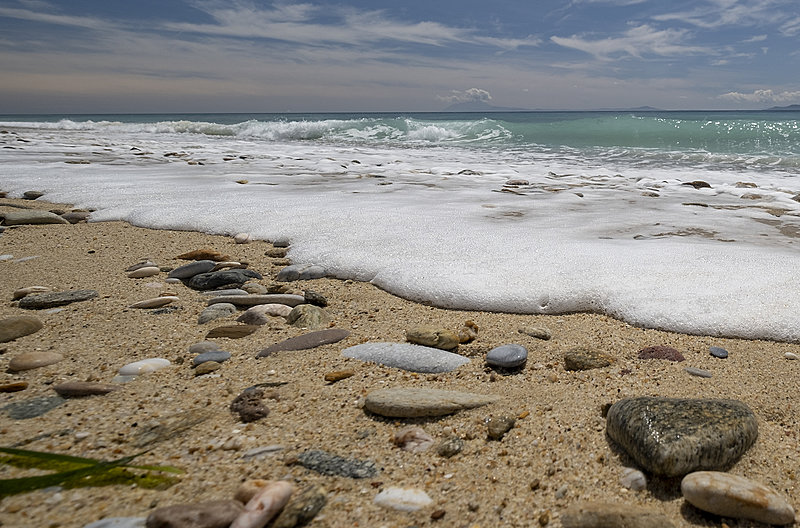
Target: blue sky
95 56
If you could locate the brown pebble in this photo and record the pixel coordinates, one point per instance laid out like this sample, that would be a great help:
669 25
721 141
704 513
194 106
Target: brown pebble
338 375
249 407
438 514
207 367
79 389
15 386
544 518
32 360
232 331
660 352
205 254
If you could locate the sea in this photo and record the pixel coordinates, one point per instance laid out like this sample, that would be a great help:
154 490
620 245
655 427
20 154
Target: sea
681 221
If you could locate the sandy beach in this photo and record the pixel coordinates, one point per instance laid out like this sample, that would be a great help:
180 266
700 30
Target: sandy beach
557 454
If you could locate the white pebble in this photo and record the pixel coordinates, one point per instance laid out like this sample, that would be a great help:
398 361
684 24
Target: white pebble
633 479
144 366
242 238
147 271
790 355
403 499
155 302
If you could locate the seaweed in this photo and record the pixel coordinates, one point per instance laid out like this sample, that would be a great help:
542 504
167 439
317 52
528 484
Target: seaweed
74 472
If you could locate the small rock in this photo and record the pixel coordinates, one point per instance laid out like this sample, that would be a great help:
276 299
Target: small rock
338 375
252 316
32 408
498 426
216 311
791 356
413 358
191 269
334 465
660 352
306 341
583 358
232 331
297 272
32 217
315 298
211 514
265 505
207 367
308 316
218 279
204 254
24 292
537 332
75 217
597 515
143 367
450 446
222 293
155 302
413 439
14 386
302 508
700 373
249 489
17 326
32 195
633 479
141 264
79 389
468 332
276 252
432 336
734 496
403 499
249 405
147 271
32 360
203 346
698 184
242 238
419 402
51 300
218 356
507 356
718 352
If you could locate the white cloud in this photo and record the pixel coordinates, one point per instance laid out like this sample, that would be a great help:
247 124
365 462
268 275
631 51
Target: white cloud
636 42
762 96
715 14
466 96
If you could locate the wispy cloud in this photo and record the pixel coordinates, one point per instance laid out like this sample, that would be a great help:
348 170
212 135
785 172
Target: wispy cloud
713 14
636 42
762 96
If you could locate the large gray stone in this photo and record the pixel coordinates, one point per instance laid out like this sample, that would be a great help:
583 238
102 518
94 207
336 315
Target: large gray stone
254 300
673 437
414 358
417 402
51 300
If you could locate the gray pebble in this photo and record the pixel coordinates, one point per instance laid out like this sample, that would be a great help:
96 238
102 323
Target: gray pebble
507 356
718 352
191 269
203 346
218 356
216 311
334 465
700 373
414 358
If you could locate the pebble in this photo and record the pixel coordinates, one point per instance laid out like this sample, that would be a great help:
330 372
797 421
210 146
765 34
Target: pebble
32 360
74 217
118 522
583 358
216 311
253 300
672 437
790 355
219 356
204 254
229 264
317 299
271 310
302 508
232 331
596 515
507 356
191 269
661 352
450 446
633 479
276 252
432 336
403 499
32 195
210 514
265 505
203 346
734 496
242 238
413 438
249 489
14 386
51 300
79 389
32 217
498 426
249 405
207 367
468 332
718 352
700 373
155 302
537 332
143 367
405 356
419 402
147 271
218 279
306 341
338 375
26 409
308 316
141 264
297 272
333 465
24 292
229 291
17 326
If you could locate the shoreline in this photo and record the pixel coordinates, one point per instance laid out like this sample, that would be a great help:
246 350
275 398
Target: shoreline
557 454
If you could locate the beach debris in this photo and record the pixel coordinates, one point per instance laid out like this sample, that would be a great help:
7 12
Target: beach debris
735 496
17 326
791 356
672 437
403 499
431 336
507 356
405 356
33 359
418 402
660 352
14 386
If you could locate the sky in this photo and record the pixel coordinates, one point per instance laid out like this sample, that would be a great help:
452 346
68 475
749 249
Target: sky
115 56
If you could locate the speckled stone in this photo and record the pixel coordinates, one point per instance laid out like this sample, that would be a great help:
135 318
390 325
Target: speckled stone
601 515
405 356
673 437
307 341
417 402
333 465
51 300
583 358
216 311
308 316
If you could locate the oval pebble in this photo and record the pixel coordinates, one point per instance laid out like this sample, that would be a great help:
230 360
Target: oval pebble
217 356
403 499
155 302
718 352
147 271
507 356
790 355
242 238
191 269
633 479
142 367
700 373
203 346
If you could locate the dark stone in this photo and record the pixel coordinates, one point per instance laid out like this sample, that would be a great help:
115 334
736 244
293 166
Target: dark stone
75 217
216 279
249 405
334 465
191 269
315 298
211 514
33 407
306 341
673 437
698 184
217 356
583 358
450 446
302 508
32 195
51 300
661 352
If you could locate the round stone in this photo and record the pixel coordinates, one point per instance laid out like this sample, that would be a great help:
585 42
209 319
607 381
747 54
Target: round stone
507 356
718 352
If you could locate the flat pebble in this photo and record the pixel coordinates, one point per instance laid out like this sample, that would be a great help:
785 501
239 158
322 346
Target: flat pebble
218 356
734 496
405 356
147 271
338 375
144 366
718 352
53 299
228 291
507 356
32 360
14 386
232 331
191 269
584 358
24 292
790 355
306 341
17 326
206 367
538 332
79 389
155 302
118 522
253 300
32 217
216 311
300 272
403 499
700 373
203 346
419 402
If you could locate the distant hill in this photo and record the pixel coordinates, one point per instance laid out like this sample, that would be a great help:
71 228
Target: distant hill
480 106
790 108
